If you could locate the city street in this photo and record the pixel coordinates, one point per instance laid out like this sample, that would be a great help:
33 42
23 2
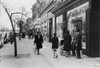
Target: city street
28 59
73 23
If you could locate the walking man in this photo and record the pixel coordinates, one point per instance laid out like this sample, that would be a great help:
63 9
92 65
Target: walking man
55 45
38 41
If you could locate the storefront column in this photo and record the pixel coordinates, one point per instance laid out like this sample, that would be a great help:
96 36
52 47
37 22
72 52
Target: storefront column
64 23
50 28
94 29
55 24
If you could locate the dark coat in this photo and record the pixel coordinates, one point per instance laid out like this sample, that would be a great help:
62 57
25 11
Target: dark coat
67 42
79 43
55 42
38 41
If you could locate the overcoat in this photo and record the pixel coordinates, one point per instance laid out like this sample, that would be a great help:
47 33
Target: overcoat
79 43
54 42
67 42
38 41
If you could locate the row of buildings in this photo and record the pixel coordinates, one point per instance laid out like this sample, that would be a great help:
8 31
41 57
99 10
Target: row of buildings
57 16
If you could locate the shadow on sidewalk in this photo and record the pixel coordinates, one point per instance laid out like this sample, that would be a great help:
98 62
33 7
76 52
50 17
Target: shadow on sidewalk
20 56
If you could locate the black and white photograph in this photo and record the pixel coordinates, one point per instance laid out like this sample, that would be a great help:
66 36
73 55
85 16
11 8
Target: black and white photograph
49 33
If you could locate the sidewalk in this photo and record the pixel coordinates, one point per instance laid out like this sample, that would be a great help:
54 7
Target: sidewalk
28 59
69 62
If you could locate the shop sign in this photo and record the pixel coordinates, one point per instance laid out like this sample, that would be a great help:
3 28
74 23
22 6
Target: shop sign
78 10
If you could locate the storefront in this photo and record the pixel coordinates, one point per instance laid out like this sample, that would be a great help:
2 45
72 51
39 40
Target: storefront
76 19
61 17
83 15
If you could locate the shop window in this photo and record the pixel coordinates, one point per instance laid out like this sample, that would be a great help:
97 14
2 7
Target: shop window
78 24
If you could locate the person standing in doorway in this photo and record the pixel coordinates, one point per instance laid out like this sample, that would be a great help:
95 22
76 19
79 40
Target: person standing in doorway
73 45
67 43
79 44
55 42
38 41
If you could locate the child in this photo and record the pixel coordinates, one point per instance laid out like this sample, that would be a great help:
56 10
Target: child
61 47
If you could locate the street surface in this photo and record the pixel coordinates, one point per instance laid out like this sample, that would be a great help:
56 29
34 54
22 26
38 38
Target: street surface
28 59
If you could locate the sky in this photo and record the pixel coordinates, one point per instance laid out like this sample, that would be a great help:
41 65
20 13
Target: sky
14 5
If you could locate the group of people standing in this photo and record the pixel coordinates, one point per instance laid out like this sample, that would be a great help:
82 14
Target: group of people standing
69 45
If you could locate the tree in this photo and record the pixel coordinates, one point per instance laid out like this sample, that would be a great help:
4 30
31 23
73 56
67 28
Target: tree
21 22
11 20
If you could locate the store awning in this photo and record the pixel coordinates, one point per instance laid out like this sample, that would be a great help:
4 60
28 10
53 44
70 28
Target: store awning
63 6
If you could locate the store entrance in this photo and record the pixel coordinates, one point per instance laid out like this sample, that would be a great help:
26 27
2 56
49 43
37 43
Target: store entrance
79 24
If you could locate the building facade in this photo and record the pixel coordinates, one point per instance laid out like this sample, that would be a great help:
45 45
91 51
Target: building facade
47 19
79 14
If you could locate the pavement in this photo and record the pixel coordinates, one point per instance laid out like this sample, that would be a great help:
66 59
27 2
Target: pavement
28 59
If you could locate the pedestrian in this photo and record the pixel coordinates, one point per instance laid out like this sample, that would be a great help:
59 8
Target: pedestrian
29 34
67 43
38 41
79 44
73 48
5 38
55 42
61 46
73 45
35 47
11 35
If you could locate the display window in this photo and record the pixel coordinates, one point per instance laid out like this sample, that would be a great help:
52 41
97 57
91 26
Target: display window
77 23
77 20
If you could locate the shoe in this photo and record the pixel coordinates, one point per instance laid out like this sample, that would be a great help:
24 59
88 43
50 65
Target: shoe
66 55
38 53
56 56
78 57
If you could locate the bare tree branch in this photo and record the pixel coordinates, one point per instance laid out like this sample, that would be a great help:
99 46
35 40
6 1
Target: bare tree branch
5 8
17 13
10 18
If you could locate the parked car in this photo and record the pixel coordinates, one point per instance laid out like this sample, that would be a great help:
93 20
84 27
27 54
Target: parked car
1 40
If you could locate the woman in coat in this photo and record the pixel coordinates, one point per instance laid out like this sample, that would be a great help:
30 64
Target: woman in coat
55 45
38 41
67 43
